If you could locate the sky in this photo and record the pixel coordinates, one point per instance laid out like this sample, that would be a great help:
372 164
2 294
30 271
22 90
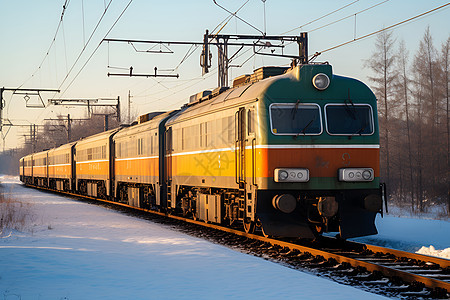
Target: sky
75 61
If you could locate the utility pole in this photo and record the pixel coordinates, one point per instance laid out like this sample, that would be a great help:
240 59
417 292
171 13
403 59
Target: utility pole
118 109
69 129
129 107
33 137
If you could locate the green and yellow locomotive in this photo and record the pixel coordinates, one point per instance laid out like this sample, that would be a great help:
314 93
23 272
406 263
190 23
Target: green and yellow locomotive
295 152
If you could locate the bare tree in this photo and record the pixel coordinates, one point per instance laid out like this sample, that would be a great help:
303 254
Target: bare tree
403 92
445 60
381 63
428 93
428 55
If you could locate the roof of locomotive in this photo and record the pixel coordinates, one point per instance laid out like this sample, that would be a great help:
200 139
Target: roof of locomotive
231 97
294 84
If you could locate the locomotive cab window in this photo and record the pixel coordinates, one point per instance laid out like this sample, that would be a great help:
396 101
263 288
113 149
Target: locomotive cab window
295 119
349 119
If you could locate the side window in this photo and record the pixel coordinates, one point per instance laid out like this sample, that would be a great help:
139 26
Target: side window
251 121
203 134
89 154
140 145
183 138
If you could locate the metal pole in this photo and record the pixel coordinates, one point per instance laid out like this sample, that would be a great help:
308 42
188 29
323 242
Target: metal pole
118 109
129 107
1 107
69 129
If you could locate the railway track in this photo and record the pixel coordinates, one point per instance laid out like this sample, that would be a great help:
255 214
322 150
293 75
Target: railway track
385 271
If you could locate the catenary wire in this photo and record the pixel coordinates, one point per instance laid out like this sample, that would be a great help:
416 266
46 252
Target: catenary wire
98 46
384 29
320 18
349 16
86 44
65 5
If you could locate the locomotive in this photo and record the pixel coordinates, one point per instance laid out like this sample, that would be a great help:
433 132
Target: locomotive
293 152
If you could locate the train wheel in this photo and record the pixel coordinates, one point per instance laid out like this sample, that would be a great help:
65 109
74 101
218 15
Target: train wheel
249 226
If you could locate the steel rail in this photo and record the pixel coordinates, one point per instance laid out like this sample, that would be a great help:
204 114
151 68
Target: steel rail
442 262
354 262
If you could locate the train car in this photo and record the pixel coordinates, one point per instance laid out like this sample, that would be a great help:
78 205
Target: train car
26 169
295 152
139 179
21 168
61 167
40 168
94 166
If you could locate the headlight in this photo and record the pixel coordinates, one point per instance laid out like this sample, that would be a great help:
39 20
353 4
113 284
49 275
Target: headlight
283 175
291 175
356 174
321 81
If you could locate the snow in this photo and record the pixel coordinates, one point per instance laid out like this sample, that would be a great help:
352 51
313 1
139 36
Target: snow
74 250
411 234
433 252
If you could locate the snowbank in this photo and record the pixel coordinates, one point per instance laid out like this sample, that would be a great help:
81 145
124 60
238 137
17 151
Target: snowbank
433 252
409 234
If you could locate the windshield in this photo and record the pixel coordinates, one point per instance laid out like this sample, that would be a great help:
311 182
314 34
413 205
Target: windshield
349 119
295 119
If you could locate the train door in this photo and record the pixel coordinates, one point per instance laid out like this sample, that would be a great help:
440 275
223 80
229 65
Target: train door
250 186
245 159
168 168
240 147
73 168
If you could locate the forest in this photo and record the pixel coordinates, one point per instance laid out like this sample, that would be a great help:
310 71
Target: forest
412 91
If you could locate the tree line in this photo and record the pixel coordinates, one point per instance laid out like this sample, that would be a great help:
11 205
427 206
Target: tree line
413 108
53 134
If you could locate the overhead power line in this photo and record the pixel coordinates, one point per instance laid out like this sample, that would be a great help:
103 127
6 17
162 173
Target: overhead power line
66 4
384 29
320 18
86 44
235 15
349 16
98 46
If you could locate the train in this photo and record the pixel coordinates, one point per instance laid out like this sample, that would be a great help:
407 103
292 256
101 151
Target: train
288 151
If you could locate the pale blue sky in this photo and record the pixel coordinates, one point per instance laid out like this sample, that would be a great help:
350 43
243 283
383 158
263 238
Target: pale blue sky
27 29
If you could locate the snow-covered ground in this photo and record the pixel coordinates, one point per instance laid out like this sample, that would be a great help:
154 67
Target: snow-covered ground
73 250
412 234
